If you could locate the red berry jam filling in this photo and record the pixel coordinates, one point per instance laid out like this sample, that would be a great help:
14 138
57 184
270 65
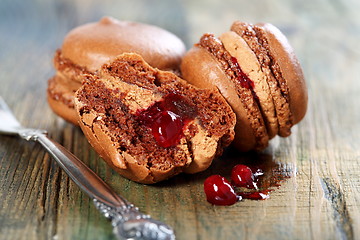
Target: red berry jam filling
242 78
167 119
219 191
251 181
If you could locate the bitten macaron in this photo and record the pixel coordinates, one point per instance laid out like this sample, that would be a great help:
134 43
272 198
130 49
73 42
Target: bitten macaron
256 70
87 47
149 124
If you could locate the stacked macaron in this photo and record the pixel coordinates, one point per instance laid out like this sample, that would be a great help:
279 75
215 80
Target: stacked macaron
86 48
256 70
116 80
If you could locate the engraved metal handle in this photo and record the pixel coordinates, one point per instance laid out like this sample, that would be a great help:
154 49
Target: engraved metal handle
127 220
83 176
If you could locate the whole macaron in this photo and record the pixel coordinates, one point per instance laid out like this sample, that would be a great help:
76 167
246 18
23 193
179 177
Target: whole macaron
256 70
86 48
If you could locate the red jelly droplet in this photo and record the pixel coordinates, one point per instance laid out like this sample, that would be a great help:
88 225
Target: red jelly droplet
167 128
242 176
167 119
261 195
219 191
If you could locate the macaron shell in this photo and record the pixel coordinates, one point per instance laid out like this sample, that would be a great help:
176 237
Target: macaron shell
63 110
250 65
209 74
290 69
93 44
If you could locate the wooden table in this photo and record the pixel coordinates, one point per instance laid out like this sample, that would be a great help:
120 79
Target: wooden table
320 201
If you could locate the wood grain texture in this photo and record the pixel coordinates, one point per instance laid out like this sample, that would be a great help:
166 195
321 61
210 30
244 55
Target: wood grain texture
321 200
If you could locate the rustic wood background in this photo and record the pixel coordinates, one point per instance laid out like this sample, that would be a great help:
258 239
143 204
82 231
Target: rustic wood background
322 200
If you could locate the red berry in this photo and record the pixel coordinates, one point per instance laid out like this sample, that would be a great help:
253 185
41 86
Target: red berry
219 191
244 80
242 176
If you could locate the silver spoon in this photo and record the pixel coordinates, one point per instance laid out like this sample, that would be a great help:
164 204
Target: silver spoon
127 220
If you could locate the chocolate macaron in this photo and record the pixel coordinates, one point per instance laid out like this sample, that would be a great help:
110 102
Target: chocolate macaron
86 48
255 69
149 124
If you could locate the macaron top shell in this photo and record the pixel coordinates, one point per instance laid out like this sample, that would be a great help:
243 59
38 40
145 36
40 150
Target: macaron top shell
91 45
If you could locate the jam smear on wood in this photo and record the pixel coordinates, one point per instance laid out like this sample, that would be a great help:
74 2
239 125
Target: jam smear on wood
254 180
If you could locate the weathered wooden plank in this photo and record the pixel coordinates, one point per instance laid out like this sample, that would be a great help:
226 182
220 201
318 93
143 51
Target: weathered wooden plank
322 200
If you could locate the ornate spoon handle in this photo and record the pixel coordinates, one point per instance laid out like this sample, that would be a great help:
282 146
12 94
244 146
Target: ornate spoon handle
127 220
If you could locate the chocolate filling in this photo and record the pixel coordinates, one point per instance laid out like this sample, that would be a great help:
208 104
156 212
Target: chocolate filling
245 89
275 68
63 64
59 88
